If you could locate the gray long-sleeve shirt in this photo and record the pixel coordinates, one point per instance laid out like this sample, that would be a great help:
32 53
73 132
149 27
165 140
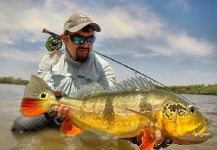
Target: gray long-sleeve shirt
59 70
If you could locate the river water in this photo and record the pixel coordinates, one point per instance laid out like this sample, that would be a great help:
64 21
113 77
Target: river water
10 96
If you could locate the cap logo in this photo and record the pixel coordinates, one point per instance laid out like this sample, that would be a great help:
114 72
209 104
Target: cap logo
82 18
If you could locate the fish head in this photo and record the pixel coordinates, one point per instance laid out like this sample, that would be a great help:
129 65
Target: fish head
183 121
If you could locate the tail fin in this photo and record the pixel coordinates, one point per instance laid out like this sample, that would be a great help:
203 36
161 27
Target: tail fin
38 97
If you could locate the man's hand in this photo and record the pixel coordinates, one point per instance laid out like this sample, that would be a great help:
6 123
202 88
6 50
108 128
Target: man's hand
58 93
60 112
165 143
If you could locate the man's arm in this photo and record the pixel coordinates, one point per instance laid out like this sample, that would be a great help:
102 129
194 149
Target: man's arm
108 77
45 68
58 113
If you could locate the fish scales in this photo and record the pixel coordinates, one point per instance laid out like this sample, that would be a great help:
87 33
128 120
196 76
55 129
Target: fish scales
110 112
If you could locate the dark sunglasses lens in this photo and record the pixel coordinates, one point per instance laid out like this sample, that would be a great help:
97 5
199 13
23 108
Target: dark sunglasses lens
80 40
77 40
91 40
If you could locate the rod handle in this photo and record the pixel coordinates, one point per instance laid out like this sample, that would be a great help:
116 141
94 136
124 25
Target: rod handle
49 32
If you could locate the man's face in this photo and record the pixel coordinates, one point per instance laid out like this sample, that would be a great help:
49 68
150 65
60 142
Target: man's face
79 52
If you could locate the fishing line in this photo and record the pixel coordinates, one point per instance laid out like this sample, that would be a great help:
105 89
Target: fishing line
54 42
136 71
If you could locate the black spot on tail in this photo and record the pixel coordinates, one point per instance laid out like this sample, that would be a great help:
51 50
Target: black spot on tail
43 95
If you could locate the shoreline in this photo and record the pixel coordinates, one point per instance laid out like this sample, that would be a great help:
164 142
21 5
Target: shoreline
178 89
12 80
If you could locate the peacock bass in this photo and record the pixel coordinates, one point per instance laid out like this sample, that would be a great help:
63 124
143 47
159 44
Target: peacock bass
122 111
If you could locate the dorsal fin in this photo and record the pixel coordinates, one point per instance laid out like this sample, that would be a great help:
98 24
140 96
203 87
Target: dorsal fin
132 84
89 90
35 87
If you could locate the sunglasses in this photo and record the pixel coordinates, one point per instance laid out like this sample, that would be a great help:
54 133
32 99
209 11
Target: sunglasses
79 40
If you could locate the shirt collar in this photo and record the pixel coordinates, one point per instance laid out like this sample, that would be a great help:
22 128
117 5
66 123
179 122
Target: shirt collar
69 58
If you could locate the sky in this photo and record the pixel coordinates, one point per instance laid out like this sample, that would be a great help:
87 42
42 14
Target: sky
171 41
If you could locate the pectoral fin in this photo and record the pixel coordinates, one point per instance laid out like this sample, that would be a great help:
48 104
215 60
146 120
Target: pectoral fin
69 128
147 141
146 114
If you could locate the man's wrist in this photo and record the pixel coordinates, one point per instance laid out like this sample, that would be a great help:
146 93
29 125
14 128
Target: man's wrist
57 120
58 93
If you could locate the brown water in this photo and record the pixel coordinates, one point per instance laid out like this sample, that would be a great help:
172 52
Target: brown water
10 96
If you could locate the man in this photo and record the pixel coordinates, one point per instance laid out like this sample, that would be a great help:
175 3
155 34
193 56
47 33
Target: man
69 71
77 66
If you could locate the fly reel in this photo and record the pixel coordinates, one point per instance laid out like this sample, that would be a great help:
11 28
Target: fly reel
54 42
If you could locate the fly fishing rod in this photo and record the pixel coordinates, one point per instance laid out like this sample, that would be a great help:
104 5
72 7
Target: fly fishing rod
54 42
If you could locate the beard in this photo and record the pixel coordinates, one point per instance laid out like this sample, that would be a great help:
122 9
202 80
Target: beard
82 54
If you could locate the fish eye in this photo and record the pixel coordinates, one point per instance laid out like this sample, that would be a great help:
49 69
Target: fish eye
191 109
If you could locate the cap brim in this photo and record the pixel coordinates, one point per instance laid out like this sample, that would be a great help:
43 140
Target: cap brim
80 26
95 26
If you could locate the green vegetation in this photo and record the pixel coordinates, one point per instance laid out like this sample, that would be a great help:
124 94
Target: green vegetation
210 89
12 80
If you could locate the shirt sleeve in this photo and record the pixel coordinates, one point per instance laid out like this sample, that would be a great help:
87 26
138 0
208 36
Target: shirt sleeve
107 78
45 69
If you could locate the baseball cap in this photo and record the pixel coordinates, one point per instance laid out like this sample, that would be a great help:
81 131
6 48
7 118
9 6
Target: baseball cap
77 21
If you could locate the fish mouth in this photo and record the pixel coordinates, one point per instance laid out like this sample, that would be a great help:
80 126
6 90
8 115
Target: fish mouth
199 135
193 139
202 128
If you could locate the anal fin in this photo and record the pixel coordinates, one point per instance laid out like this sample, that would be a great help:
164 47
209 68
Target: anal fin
69 128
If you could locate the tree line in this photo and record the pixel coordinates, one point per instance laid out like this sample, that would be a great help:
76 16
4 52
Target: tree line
210 89
12 80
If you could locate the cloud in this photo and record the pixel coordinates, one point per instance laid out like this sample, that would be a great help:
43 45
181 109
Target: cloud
129 29
190 45
122 23
127 22
183 44
26 21
187 77
19 63
21 56
17 69
151 33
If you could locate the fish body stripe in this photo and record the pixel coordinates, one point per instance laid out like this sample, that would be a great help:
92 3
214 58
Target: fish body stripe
144 105
108 112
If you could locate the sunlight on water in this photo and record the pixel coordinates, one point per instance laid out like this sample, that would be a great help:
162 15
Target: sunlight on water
10 96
